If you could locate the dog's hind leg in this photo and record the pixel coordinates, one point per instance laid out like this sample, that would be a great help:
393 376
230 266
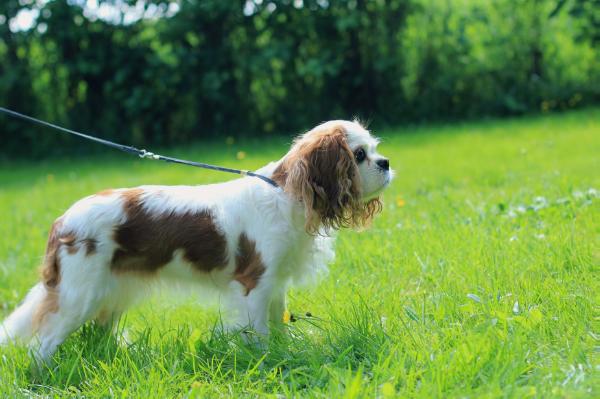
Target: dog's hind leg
55 328
73 307
82 288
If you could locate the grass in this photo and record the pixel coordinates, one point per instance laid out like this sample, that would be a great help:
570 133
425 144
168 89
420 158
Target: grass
480 278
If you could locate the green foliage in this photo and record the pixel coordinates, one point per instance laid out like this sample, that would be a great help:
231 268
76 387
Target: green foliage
241 68
480 278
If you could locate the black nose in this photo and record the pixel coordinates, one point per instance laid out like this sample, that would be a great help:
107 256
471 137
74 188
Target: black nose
383 163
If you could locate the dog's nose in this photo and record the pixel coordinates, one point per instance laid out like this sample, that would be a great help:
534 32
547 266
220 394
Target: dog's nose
383 163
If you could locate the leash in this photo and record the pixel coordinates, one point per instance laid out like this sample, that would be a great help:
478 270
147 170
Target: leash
135 151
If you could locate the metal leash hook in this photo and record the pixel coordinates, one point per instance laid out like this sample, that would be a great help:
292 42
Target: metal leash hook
148 155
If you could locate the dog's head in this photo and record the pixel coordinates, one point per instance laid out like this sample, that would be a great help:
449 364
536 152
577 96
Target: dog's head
336 172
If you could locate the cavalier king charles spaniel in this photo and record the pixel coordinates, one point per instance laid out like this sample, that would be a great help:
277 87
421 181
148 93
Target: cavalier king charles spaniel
244 240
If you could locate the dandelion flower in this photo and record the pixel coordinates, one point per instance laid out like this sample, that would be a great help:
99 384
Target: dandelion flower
240 155
286 316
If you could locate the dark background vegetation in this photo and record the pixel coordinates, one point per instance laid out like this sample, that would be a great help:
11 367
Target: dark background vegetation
241 68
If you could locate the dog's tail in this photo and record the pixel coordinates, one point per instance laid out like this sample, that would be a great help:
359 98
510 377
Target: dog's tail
20 324
23 323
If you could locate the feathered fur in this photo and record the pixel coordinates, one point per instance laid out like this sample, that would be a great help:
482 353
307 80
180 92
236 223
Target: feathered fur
243 241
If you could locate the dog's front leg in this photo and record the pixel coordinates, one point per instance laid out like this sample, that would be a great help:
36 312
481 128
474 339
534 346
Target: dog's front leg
253 309
277 307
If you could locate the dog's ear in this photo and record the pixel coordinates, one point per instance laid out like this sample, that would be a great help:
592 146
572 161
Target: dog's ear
320 171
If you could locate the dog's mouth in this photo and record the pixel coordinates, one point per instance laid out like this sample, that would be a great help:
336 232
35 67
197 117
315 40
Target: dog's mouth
389 176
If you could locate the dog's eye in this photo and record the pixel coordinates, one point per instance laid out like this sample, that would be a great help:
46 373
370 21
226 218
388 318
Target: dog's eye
360 155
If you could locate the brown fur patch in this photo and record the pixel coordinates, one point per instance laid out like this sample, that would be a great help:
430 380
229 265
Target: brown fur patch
50 273
90 246
70 244
105 193
248 264
73 245
320 171
147 242
51 266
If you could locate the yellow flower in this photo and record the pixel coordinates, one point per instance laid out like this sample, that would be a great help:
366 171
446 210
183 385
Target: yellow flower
229 140
400 202
286 316
240 155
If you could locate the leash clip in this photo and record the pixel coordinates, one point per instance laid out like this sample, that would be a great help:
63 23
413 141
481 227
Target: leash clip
148 155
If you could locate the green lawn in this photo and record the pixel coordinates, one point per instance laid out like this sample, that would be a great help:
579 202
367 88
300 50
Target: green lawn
480 279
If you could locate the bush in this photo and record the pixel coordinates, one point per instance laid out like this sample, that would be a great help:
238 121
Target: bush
243 68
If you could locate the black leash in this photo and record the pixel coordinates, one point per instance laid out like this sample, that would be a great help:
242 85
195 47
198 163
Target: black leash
138 152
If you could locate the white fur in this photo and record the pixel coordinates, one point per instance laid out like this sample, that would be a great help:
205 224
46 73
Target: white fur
89 289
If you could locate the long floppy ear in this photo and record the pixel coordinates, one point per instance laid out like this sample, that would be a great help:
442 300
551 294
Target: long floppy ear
320 172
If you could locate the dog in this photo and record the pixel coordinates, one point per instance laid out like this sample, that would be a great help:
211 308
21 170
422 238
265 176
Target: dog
243 240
